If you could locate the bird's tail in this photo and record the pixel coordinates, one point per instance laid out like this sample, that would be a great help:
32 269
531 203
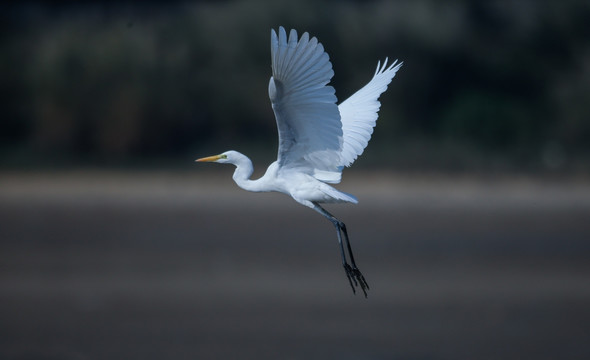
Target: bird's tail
338 196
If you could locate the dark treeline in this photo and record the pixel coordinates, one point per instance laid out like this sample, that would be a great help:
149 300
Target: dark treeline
485 85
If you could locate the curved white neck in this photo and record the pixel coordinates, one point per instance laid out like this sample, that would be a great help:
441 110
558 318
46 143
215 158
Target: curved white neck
244 170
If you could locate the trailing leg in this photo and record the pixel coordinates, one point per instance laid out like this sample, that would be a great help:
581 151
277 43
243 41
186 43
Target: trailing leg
357 275
352 272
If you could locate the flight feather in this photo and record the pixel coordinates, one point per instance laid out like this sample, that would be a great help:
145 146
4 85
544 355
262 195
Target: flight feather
308 120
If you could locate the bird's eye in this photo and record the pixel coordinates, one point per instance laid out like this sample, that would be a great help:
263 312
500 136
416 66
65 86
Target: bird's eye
223 156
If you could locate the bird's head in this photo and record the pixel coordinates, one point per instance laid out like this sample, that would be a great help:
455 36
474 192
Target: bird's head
226 157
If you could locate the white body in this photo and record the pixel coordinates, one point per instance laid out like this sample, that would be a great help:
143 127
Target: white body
302 187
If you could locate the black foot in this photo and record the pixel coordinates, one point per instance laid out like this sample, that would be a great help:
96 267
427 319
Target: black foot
355 278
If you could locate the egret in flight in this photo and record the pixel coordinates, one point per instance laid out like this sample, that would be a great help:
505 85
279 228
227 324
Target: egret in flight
317 138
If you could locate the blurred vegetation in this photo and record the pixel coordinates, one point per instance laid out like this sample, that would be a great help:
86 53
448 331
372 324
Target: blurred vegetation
494 85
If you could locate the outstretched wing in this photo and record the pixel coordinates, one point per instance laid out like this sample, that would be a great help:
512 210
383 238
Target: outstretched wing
359 112
308 120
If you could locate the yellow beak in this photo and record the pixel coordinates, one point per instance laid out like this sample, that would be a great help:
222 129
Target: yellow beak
209 158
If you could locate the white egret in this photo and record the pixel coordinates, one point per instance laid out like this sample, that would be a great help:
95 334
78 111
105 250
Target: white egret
317 138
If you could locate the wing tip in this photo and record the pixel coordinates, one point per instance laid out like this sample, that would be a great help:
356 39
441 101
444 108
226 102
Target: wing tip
394 66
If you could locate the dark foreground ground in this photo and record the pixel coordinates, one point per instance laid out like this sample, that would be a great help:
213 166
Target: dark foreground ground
156 266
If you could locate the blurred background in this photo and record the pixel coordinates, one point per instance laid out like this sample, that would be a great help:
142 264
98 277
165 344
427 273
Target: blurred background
474 215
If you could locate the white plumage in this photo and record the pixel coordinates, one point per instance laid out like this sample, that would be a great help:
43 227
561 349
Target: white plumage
314 133
317 138
358 113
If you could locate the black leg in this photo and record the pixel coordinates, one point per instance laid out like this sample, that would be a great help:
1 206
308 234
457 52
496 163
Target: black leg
347 267
355 270
354 275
